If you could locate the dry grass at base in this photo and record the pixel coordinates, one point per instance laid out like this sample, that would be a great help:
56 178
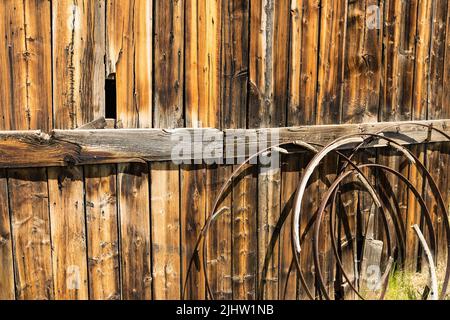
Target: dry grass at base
405 285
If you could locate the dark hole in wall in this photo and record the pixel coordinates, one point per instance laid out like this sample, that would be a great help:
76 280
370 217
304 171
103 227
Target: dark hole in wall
110 98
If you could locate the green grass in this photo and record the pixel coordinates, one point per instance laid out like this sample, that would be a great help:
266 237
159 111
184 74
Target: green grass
403 286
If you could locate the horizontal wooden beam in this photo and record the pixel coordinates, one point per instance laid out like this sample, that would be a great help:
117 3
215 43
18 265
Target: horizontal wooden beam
79 147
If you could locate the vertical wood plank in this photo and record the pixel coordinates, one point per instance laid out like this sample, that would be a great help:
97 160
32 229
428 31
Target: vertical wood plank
269 179
235 59
202 59
399 38
202 107
437 62
295 62
168 113
414 211
269 53
331 59
445 113
68 234
233 114
25 56
446 72
422 60
397 94
26 103
129 58
169 63
291 167
133 196
143 55
363 48
326 256
345 229
269 189
193 213
219 238
28 196
245 238
165 206
332 50
303 73
102 232
436 164
6 78
7 291
421 104
437 154
304 46
360 103
309 207
78 62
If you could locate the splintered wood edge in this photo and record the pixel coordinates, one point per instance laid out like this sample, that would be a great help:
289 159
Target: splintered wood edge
19 149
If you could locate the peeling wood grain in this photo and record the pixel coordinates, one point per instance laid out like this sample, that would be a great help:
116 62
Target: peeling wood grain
78 31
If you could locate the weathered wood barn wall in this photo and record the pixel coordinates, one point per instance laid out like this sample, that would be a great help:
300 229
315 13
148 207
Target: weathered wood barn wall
127 231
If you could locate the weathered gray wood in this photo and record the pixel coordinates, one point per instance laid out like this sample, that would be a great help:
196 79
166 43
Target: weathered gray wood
76 147
99 123
371 259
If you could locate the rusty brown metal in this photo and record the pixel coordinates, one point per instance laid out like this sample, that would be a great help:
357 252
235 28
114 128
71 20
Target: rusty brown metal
348 169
